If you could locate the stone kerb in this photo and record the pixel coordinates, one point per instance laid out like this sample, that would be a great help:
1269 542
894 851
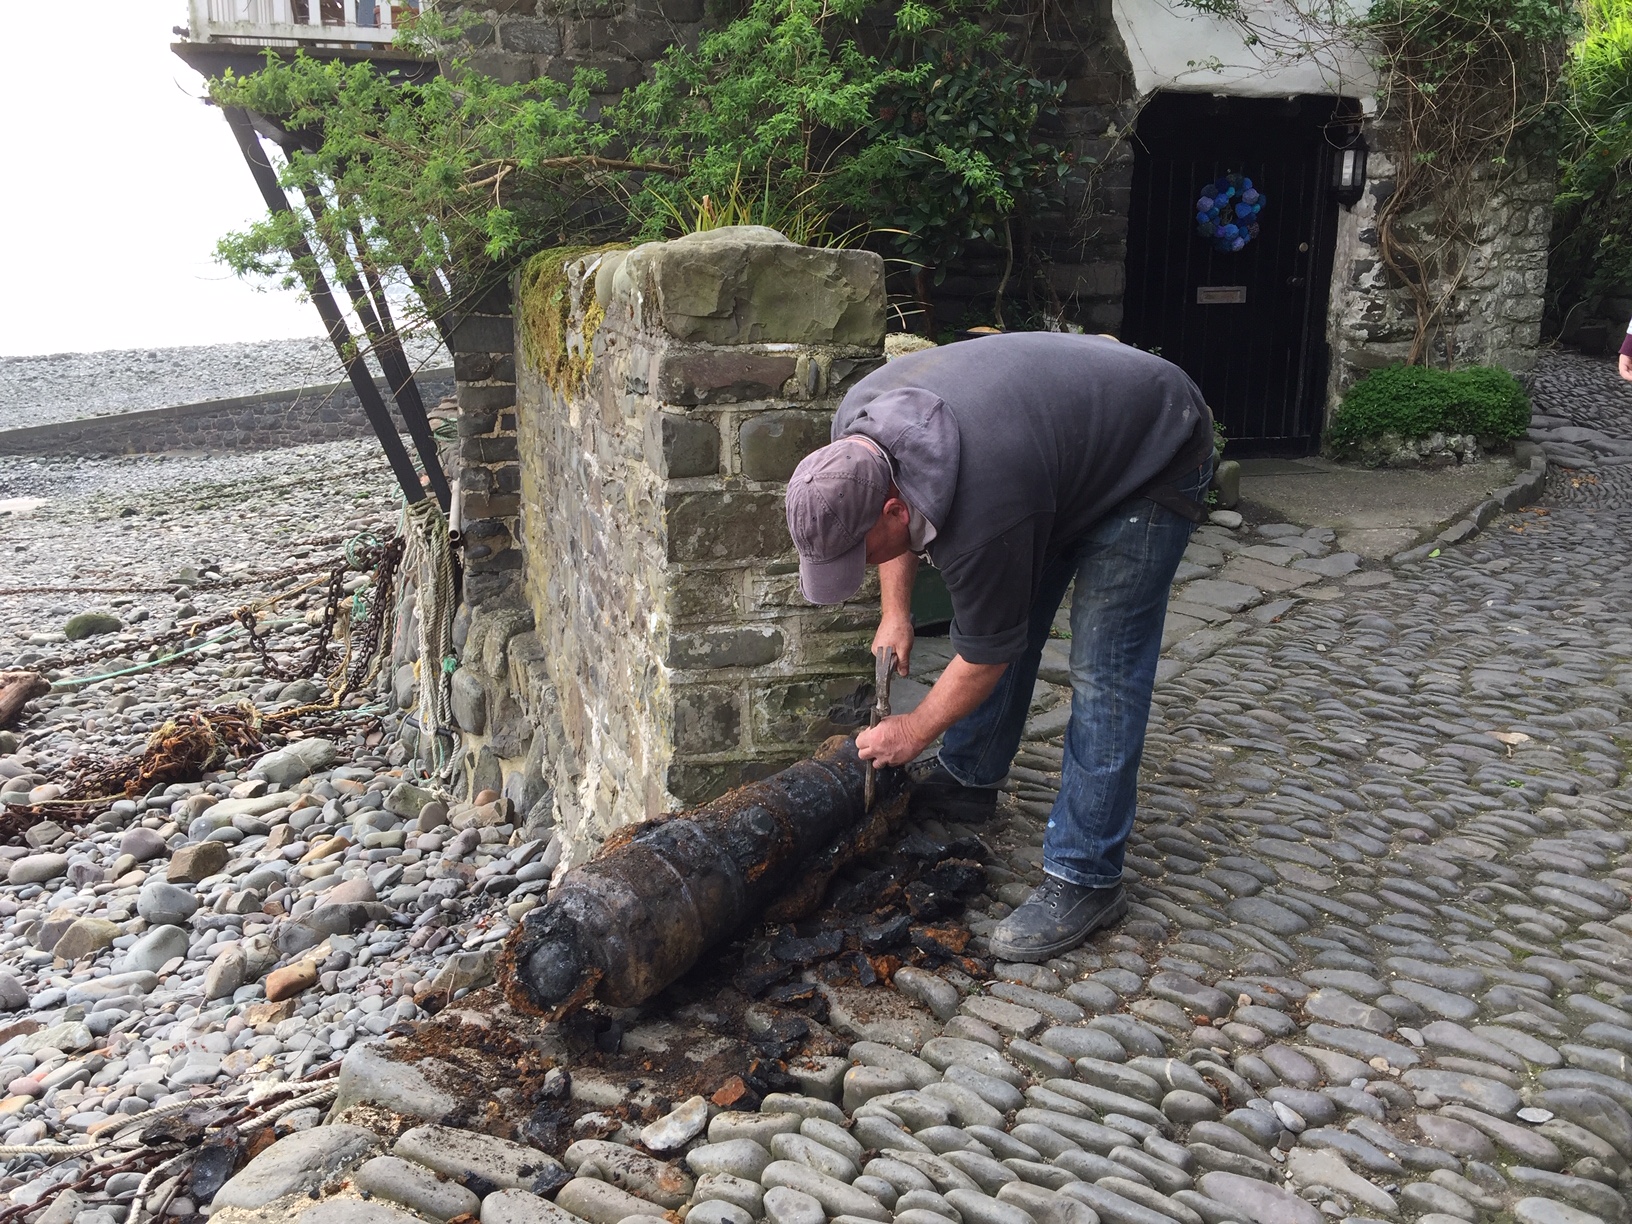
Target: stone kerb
676 651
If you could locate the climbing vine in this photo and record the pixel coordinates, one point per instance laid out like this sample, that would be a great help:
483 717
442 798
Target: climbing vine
1469 87
1468 94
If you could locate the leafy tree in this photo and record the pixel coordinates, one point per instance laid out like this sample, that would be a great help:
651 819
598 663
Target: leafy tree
449 182
1592 228
766 110
952 154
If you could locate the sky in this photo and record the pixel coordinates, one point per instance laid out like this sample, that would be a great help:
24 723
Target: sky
117 183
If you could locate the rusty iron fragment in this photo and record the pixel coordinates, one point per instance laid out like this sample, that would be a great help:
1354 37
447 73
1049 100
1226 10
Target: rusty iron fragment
658 895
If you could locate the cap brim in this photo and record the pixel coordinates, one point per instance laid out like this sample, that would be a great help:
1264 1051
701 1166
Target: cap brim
831 582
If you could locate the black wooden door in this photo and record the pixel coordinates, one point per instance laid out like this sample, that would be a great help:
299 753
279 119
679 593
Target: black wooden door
1250 325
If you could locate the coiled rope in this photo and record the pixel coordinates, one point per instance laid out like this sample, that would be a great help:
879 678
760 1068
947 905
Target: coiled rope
430 552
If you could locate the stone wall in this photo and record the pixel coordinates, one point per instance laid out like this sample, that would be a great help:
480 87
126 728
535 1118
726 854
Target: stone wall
522 40
1495 318
483 345
252 422
496 748
659 652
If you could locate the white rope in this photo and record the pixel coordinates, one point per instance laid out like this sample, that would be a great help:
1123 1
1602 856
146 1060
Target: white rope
431 554
321 1097
50 1149
118 1124
139 1202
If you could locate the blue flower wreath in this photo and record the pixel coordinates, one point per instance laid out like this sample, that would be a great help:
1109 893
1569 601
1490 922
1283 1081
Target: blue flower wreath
1227 212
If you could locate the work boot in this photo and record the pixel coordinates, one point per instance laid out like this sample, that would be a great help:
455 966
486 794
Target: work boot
935 792
1056 918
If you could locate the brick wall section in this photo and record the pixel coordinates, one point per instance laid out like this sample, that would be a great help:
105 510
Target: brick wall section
247 423
661 652
521 40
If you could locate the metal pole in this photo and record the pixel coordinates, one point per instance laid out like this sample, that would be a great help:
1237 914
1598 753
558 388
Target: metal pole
409 401
333 321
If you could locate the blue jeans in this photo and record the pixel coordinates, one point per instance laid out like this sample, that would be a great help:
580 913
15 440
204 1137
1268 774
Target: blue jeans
1123 569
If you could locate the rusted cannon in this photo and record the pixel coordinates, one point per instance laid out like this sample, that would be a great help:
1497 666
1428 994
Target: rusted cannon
659 894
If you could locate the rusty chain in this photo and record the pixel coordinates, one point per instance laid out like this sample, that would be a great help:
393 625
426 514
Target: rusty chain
385 560
319 656
223 584
366 556
239 729
152 1156
382 605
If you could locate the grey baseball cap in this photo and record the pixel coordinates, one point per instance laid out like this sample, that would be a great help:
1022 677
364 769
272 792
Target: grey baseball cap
835 496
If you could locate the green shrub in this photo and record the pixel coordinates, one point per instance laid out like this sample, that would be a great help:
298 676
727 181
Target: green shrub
1415 401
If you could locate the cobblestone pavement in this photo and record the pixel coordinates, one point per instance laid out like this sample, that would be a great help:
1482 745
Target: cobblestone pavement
1378 966
1583 418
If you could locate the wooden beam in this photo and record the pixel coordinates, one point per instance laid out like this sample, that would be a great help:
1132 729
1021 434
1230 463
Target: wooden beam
328 310
17 689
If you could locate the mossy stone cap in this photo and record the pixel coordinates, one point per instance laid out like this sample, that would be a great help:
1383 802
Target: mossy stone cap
748 284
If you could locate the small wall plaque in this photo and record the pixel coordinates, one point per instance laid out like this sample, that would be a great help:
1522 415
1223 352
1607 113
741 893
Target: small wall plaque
1220 295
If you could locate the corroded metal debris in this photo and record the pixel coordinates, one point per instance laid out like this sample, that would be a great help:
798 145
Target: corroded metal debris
658 895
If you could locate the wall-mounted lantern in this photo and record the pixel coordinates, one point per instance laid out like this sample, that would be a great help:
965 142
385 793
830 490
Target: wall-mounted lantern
1349 171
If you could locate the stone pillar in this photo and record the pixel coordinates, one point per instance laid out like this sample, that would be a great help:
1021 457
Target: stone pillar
1494 316
673 657
489 470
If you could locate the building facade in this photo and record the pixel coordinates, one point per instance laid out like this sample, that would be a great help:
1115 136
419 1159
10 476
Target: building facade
1161 101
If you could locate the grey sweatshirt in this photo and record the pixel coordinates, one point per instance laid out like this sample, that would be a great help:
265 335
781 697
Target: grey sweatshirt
1014 446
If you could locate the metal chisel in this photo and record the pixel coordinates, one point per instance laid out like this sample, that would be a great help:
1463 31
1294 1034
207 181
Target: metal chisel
883 670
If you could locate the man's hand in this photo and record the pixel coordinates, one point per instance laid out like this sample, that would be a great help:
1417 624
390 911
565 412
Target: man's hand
961 688
896 631
895 741
1626 367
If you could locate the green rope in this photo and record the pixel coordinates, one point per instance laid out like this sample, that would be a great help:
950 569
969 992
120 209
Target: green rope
357 541
141 667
